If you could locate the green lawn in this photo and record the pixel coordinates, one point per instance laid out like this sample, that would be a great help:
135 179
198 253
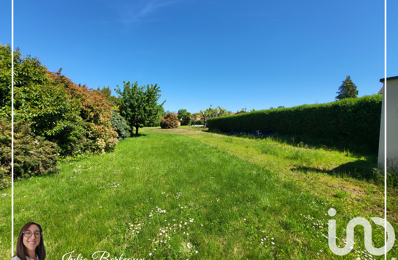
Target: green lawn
190 194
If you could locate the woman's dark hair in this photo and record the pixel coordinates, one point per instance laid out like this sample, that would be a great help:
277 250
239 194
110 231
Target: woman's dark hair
21 249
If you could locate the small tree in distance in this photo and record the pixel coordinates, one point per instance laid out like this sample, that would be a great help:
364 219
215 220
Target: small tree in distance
212 112
347 90
138 105
184 116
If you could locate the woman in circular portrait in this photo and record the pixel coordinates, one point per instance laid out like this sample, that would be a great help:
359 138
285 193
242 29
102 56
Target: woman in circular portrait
30 244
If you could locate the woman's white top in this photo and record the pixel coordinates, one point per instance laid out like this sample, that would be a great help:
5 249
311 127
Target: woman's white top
27 258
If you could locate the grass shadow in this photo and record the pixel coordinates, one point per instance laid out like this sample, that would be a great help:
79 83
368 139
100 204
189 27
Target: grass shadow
341 144
139 135
360 169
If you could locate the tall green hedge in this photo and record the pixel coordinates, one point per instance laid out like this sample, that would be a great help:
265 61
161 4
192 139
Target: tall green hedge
356 120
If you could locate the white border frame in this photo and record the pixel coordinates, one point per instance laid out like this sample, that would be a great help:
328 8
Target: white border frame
12 127
385 128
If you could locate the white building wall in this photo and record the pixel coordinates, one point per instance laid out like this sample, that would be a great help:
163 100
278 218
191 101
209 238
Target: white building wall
392 124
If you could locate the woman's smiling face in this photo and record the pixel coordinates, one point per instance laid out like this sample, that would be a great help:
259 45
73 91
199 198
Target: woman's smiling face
31 242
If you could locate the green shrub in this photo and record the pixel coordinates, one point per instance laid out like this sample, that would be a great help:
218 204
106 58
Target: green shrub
78 119
33 156
53 116
169 121
120 125
95 113
27 71
351 120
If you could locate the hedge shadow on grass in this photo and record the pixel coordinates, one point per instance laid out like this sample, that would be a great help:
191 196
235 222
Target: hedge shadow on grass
342 144
360 169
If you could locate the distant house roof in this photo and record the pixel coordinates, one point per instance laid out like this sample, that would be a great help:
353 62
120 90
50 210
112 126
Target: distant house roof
390 78
380 91
240 112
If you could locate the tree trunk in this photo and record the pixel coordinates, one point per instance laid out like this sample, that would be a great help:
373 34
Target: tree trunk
136 130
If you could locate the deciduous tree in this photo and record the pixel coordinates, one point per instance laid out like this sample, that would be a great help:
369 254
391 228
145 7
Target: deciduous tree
156 121
184 116
181 113
212 112
138 105
106 92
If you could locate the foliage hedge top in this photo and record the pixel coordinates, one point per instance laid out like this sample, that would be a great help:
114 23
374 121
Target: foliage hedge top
357 119
76 118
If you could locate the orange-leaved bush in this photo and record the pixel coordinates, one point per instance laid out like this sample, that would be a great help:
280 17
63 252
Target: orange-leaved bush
95 112
170 120
74 117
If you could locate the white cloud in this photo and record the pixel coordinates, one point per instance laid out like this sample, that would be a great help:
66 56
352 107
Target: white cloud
135 12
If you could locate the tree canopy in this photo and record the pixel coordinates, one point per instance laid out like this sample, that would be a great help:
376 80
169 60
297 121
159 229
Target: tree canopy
212 112
182 111
184 116
106 92
347 90
156 121
138 105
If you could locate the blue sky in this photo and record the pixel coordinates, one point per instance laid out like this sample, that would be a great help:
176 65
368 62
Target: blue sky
233 54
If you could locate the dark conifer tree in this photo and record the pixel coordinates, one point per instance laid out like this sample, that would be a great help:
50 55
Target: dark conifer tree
347 90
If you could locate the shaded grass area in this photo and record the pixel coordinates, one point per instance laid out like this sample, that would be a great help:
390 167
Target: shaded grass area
178 198
360 169
341 144
308 141
364 168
